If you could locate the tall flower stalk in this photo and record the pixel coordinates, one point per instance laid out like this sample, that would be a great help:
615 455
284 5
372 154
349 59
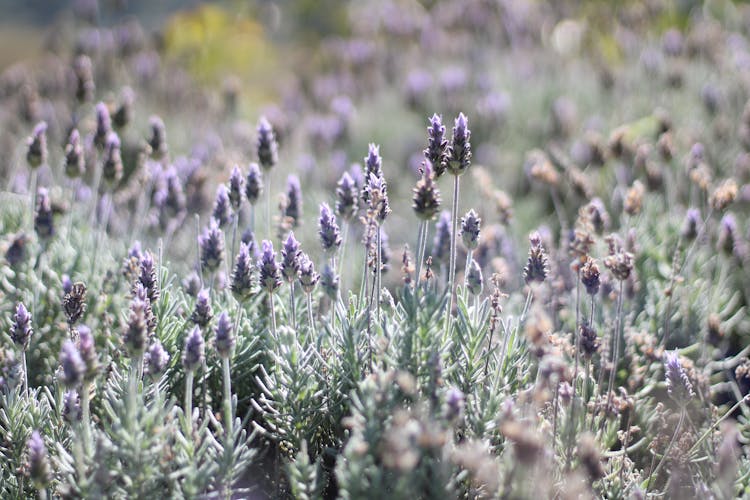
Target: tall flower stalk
270 278
268 157
458 162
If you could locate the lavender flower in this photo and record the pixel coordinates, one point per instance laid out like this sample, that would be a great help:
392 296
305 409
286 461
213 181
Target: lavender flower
290 253
346 197
329 280
124 113
474 280
253 184
330 235
173 202
158 141
679 386
454 404
16 252
147 277
192 284
268 148
87 349
470 227
66 283
211 244
74 303
73 366
103 125
192 354
202 312
225 339
44 224
293 208
75 163
590 276
222 211
378 201
236 188
537 266
21 330
589 341
37 463
727 238
441 245
156 360
426 199
459 151
71 410
270 275
84 78
136 328
692 222
242 280
140 292
373 161
437 146
308 278
112 166
619 262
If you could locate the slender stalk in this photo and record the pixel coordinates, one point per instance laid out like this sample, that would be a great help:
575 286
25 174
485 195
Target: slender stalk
554 417
269 232
86 415
33 179
452 268
669 448
189 394
616 348
310 318
252 218
25 374
342 251
379 273
292 306
273 315
227 398
234 237
466 270
421 245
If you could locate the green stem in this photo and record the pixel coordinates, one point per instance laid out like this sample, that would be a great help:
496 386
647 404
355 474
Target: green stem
616 348
452 265
86 415
25 374
228 399
189 395
310 318
273 315
292 306
669 448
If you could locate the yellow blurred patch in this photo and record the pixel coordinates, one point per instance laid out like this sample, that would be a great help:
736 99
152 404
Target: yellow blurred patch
213 43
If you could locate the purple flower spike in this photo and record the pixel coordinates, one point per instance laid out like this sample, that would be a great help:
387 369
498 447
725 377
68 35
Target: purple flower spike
202 312
293 208
290 258
156 360
253 184
373 161
225 339
329 232
268 148
73 366
38 462
103 125
211 243
242 277
437 146
346 197
236 188
192 355
222 211
20 330
679 386
270 275
459 152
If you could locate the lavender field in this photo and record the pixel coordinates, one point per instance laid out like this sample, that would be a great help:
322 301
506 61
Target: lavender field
375 249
